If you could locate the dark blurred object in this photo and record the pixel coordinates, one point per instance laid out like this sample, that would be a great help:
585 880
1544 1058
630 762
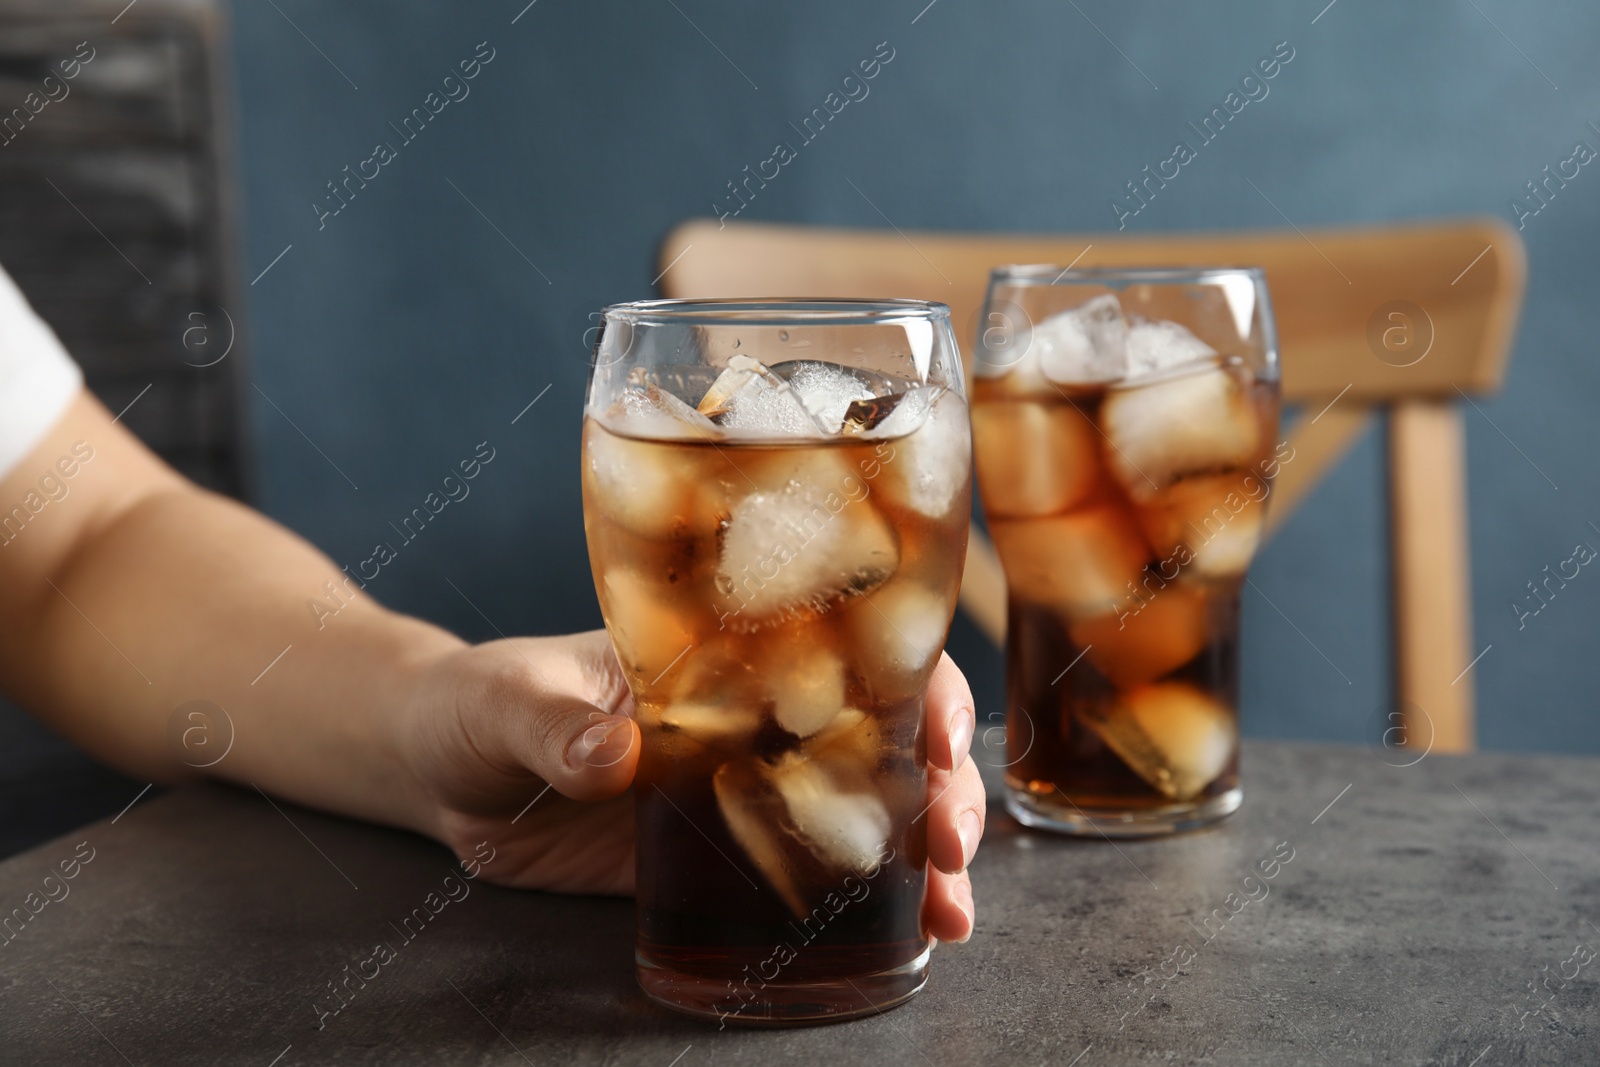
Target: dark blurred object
116 221
116 214
48 788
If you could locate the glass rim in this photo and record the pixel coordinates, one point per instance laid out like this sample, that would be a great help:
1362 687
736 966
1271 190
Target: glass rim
1031 273
777 311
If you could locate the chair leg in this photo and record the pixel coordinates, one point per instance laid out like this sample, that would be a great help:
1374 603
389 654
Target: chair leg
1432 582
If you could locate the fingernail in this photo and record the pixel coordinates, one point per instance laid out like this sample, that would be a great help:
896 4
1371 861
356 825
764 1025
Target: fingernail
603 744
962 725
964 901
969 827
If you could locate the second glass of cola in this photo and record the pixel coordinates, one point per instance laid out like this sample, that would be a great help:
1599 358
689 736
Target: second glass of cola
1125 432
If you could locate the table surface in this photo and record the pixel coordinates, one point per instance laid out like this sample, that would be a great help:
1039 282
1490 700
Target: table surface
1439 913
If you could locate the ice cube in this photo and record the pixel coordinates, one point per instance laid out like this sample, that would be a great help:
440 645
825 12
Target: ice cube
739 372
1157 347
805 682
1034 458
1217 518
827 391
755 816
865 417
835 811
1080 563
713 725
716 676
1085 346
648 634
1199 422
798 818
897 634
688 422
801 546
637 484
1171 734
754 402
1146 638
648 411
927 469
852 736
894 415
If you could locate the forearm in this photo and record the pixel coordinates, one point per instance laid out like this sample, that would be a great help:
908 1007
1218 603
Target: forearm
185 596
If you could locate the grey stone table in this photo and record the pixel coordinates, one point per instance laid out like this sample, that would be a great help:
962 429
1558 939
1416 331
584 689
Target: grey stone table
1440 913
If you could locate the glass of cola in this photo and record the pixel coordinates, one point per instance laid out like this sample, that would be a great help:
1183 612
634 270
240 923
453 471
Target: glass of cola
1125 432
776 498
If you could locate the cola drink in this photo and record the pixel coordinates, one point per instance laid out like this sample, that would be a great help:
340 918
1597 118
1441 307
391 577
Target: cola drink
1125 467
777 552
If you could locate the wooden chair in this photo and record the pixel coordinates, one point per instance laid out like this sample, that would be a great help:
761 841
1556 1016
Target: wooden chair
1412 318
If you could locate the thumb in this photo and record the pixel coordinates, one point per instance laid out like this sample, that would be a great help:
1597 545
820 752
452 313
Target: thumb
555 717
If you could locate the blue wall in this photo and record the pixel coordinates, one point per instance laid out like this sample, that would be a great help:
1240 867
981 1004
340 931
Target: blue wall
409 327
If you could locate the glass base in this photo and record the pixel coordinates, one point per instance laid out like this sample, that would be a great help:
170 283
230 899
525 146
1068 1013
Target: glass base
1054 813
781 1004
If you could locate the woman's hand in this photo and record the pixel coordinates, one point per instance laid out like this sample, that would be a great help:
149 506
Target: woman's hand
530 744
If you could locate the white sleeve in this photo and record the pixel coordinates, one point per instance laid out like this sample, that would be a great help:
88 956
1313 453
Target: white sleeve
37 377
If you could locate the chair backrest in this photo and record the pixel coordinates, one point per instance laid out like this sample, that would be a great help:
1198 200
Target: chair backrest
1409 317
116 218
